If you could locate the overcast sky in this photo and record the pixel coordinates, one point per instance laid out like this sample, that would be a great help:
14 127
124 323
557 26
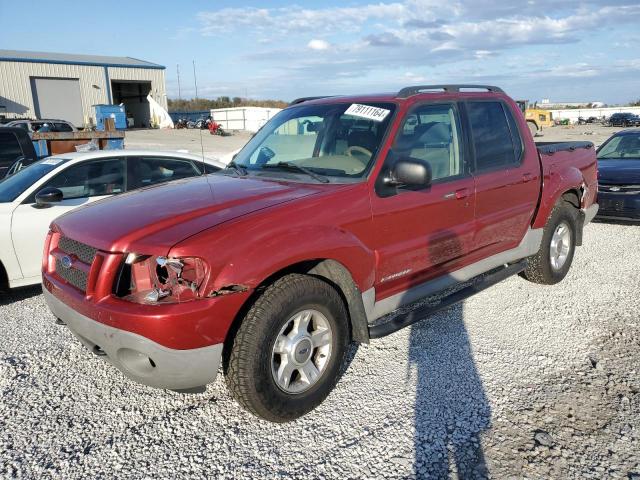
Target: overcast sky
563 50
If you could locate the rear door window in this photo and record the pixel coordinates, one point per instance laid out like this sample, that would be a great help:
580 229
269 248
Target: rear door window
492 136
147 171
431 133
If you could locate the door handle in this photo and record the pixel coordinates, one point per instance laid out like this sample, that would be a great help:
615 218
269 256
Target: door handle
527 177
458 194
462 193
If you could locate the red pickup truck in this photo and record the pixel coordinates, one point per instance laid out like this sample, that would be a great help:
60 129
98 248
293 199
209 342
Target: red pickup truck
337 212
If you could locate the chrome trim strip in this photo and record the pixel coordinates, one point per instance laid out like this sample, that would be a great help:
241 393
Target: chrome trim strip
529 245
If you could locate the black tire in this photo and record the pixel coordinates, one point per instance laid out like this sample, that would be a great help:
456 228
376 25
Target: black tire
248 364
533 128
539 266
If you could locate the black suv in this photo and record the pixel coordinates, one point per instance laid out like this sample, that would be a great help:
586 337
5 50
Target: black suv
626 119
15 145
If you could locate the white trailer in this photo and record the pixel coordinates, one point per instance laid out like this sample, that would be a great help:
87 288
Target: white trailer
250 119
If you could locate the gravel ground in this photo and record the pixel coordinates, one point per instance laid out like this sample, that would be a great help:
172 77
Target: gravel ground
520 381
185 139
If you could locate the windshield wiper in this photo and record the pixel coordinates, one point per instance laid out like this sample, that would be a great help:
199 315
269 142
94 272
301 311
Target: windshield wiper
238 169
299 168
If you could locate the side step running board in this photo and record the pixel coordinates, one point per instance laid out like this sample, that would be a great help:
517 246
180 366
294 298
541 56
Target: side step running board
488 280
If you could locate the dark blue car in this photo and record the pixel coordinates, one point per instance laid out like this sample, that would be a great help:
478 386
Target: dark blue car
619 176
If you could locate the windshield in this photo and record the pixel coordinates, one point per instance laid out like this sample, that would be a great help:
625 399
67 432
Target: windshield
15 185
338 141
621 147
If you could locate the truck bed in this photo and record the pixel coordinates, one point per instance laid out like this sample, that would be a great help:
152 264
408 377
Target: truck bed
566 164
549 148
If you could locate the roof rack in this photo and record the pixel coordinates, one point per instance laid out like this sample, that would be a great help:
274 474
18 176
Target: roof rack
410 91
308 99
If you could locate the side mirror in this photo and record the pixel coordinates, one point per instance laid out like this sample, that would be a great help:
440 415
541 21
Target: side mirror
410 172
48 196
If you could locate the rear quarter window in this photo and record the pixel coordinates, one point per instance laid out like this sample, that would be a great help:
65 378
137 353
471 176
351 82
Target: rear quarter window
492 136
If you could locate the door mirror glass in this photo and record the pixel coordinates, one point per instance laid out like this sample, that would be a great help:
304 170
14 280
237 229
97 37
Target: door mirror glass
47 196
410 172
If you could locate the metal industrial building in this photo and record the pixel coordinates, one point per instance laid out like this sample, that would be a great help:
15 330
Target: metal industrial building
67 86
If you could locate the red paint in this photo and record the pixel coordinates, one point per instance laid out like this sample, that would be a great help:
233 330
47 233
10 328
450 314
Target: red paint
246 229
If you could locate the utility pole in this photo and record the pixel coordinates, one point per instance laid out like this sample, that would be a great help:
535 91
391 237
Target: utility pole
195 79
179 92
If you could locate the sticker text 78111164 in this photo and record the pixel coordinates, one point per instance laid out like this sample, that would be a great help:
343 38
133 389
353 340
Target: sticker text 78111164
376 114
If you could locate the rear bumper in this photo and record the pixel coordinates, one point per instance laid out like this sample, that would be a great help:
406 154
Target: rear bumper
139 358
590 213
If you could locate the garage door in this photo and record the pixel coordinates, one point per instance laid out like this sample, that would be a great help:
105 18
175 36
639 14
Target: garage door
57 98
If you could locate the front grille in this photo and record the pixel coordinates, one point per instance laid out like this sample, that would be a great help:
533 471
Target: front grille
612 205
75 277
85 253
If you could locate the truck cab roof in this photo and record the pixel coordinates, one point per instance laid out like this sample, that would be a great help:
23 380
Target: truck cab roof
420 91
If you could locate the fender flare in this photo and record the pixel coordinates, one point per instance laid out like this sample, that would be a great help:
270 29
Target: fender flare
568 179
341 279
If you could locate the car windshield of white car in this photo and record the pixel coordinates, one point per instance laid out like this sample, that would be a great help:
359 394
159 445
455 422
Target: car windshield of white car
15 185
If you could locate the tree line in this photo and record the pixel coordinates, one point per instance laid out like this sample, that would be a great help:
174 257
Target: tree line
200 104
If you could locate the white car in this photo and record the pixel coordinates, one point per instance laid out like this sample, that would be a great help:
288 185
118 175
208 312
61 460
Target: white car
67 181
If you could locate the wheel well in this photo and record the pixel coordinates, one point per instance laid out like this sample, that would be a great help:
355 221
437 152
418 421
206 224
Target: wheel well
332 272
573 197
4 278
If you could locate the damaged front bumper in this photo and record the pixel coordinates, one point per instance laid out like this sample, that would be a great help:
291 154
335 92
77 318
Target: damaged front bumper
139 358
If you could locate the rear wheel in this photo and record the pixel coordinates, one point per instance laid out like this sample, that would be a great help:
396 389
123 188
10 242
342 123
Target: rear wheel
287 354
553 260
533 128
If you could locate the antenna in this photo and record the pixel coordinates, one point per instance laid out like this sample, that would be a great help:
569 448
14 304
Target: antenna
195 79
195 84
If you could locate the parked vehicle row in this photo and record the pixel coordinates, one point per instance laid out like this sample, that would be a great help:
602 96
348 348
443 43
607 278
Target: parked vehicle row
625 119
45 125
337 212
201 124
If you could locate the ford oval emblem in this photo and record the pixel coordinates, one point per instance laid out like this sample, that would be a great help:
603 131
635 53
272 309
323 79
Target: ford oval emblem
66 262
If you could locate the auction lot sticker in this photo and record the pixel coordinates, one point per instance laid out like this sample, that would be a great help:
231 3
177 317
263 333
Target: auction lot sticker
52 161
367 111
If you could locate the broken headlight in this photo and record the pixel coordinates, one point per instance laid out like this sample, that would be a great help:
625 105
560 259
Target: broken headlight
157 280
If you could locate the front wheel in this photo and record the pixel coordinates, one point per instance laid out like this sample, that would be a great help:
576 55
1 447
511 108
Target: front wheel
287 354
553 260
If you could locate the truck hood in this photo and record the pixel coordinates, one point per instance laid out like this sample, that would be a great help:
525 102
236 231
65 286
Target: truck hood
619 172
151 220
